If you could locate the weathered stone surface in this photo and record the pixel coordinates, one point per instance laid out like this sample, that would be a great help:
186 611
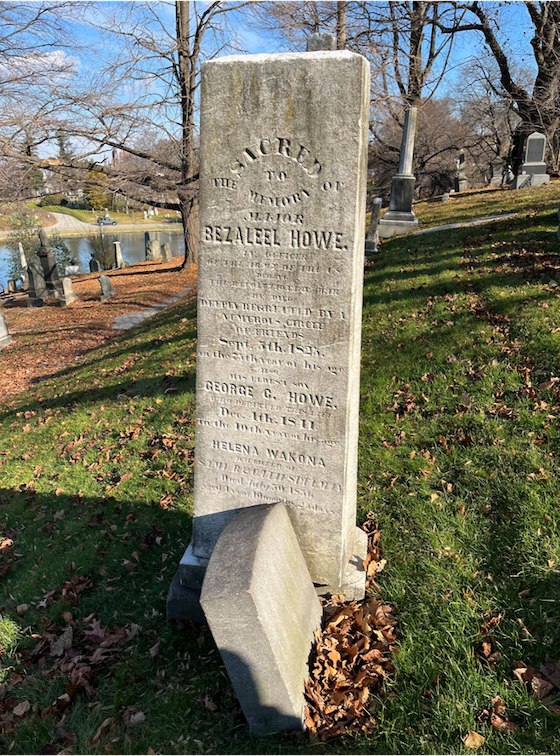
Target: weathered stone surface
262 610
372 237
94 265
118 255
321 41
497 168
461 183
68 293
166 254
5 337
107 290
533 171
47 259
37 288
282 200
399 217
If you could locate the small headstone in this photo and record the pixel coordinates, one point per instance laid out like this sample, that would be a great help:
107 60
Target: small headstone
145 215
321 41
372 237
445 197
399 217
118 255
12 288
5 337
69 294
72 270
94 265
262 609
38 292
107 290
533 171
166 254
282 218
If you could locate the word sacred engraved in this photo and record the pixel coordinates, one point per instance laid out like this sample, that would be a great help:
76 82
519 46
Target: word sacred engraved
278 146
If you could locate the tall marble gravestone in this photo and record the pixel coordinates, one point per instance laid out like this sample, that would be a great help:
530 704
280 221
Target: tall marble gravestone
533 170
282 205
399 218
5 337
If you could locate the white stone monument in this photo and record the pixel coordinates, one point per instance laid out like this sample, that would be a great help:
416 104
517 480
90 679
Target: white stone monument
282 203
5 337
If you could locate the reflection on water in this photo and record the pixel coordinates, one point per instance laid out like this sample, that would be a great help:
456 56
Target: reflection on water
132 246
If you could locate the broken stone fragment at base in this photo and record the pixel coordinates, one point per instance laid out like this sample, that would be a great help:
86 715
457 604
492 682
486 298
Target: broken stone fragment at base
262 609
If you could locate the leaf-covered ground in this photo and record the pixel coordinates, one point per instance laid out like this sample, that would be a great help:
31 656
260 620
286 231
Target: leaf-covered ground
458 468
45 342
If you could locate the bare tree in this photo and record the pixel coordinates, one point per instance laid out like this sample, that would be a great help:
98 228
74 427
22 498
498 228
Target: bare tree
538 106
138 96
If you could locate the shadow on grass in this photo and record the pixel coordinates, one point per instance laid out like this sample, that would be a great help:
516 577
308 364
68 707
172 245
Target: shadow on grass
82 382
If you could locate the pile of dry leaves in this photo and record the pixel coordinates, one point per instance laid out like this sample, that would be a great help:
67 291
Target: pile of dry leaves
351 658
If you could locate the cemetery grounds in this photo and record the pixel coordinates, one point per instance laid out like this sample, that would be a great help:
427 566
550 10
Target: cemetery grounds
458 470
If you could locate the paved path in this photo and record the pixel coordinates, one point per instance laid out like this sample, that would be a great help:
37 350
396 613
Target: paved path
477 222
124 322
69 223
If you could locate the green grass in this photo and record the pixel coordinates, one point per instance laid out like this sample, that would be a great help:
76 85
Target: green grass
457 459
89 216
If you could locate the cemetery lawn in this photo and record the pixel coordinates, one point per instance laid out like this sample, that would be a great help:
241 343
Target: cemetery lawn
460 398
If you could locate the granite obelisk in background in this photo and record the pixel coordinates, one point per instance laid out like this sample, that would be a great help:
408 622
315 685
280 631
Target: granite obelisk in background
282 203
399 218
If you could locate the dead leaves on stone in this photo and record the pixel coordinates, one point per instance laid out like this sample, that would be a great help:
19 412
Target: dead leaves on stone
351 659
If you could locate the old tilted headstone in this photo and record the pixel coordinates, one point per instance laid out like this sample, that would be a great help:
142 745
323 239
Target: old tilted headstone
38 292
399 217
94 265
107 290
48 261
69 295
118 255
533 170
5 337
372 237
282 202
152 246
166 254
257 580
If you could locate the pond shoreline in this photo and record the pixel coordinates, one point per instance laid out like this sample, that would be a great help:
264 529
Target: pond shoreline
126 228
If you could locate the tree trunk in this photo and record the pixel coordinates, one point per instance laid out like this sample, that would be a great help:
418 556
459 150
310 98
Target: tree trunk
188 199
341 24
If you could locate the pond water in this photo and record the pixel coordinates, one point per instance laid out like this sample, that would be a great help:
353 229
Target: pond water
132 246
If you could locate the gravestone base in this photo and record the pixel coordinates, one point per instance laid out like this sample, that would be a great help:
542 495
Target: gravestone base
262 610
35 302
524 180
192 568
183 603
394 222
353 586
371 247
